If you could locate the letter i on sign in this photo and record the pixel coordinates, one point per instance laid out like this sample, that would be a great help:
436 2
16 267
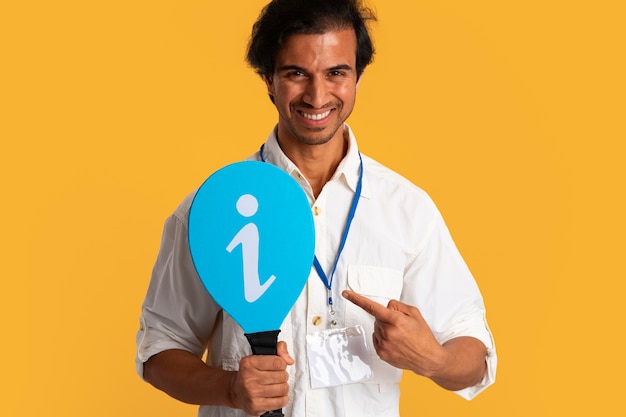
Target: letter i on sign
248 238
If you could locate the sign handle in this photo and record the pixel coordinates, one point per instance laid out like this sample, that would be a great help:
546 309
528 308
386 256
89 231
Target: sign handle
264 343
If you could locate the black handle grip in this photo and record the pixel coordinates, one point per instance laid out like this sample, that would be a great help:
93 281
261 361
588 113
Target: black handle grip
264 343
275 413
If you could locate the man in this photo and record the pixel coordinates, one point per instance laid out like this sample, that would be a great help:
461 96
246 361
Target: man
399 277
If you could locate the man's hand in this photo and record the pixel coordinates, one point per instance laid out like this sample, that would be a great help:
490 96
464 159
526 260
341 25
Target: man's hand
401 336
403 339
262 382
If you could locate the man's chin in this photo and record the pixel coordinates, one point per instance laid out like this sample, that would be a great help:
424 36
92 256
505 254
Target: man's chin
317 136
314 140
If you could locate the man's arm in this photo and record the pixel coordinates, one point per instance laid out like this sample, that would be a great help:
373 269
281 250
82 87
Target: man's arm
403 339
259 385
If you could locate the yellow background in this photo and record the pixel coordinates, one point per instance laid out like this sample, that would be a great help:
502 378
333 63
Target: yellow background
509 113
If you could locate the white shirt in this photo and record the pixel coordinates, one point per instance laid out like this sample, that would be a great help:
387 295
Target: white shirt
398 248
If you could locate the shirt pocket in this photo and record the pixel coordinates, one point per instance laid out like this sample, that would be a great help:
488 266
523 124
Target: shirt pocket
380 285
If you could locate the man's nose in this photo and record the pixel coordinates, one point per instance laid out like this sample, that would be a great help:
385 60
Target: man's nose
316 93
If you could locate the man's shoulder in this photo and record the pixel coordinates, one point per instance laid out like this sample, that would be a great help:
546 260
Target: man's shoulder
385 180
181 213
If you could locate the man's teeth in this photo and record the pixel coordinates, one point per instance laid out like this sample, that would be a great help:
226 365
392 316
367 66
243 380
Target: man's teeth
316 116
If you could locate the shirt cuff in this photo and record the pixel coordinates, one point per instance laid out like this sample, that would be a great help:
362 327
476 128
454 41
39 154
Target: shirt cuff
151 341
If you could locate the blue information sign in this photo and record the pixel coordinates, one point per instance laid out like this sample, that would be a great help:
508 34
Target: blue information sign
252 241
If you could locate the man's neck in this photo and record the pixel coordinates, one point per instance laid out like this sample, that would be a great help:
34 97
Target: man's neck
317 163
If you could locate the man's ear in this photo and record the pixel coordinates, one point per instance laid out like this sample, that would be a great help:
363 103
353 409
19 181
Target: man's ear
358 81
269 83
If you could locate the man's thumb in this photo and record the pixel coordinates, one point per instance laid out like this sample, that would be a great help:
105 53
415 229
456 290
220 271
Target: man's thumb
281 350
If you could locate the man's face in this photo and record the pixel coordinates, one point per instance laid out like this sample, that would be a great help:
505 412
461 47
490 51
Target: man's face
314 86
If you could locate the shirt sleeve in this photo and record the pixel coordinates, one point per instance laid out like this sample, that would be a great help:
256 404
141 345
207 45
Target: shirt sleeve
178 312
440 284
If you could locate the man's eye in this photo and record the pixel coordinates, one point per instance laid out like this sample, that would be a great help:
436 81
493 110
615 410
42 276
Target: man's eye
336 73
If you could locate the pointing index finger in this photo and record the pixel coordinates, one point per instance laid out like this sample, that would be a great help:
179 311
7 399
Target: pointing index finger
379 311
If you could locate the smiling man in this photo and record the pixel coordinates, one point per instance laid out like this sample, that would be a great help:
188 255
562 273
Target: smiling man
388 290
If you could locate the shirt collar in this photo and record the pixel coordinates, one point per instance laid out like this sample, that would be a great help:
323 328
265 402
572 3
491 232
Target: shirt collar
348 167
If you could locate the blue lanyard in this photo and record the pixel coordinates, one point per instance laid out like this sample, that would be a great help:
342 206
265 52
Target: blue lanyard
328 282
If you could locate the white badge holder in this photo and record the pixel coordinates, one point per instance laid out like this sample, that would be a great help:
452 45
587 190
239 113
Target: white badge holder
338 357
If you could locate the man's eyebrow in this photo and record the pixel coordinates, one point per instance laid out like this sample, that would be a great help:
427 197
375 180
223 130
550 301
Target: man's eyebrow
290 68
344 67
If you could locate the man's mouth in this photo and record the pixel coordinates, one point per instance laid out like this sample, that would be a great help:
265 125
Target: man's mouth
316 117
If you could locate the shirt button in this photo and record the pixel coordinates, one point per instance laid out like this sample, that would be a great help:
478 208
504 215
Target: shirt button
317 320
316 211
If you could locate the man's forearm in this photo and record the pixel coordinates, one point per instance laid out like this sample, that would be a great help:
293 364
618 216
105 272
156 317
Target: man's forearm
187 378
463 364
